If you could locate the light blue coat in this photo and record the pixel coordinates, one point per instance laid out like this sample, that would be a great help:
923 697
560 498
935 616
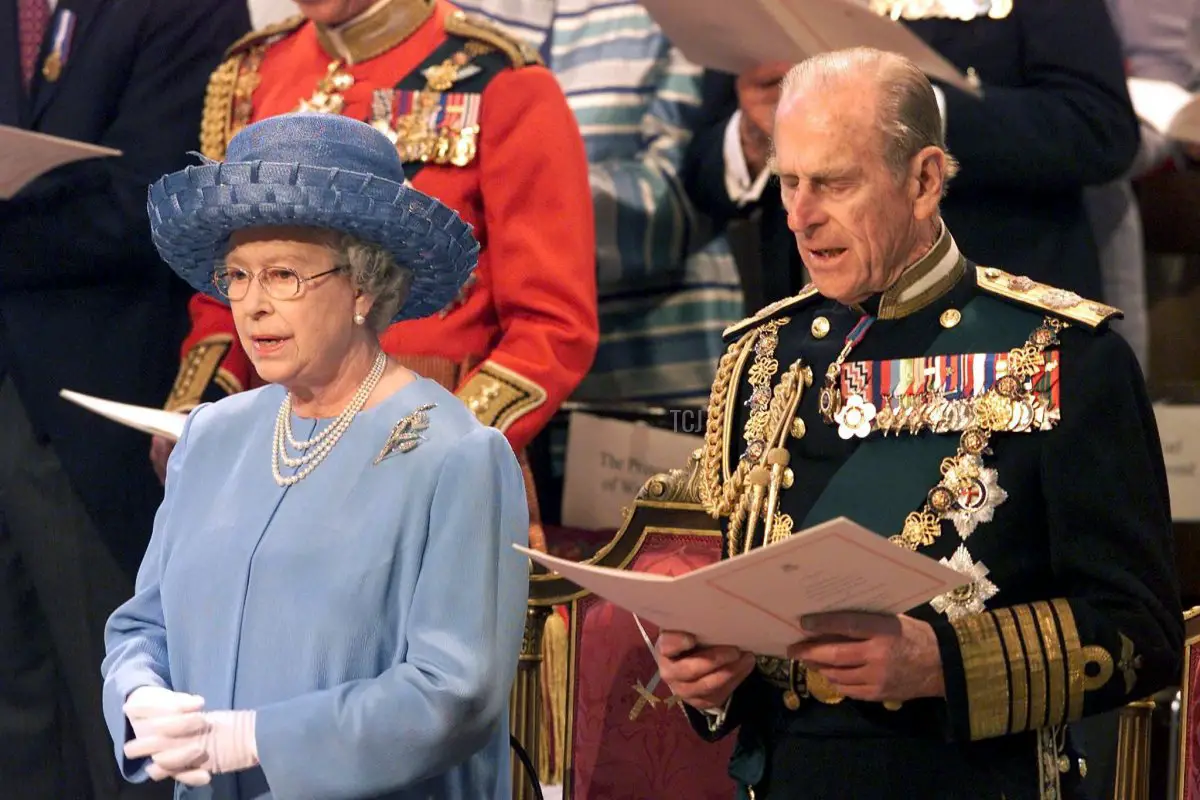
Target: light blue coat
371 614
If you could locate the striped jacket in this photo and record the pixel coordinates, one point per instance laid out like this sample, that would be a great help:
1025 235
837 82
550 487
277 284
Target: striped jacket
666 288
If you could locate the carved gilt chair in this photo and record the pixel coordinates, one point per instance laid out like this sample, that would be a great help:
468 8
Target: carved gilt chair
626 736
1134 737
1189 711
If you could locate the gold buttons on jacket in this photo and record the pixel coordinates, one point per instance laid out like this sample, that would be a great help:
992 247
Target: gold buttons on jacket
950 317
798 428
820 328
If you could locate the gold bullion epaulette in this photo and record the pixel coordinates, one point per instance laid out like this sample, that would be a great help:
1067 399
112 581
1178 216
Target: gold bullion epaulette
1057 302
226 99
767 312
262 34
470 26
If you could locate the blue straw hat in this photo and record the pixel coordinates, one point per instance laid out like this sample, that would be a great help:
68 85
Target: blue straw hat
312 170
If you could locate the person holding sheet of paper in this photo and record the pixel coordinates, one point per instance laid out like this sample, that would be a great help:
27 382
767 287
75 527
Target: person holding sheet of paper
968 413
330 605
1054 117
84 304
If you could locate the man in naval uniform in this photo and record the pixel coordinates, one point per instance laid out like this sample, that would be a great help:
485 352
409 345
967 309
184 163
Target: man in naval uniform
481 125
965 412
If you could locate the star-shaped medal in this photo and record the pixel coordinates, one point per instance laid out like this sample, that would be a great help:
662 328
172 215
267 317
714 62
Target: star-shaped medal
970 598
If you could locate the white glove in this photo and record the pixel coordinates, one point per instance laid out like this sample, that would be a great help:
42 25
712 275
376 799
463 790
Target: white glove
145 702
175 745
229 744
164 724
184 743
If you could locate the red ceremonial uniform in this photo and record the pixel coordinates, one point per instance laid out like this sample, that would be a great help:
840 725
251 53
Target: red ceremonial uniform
524 332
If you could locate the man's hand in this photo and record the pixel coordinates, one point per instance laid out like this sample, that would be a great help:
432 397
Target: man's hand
874 657
758 95
704 678
160 451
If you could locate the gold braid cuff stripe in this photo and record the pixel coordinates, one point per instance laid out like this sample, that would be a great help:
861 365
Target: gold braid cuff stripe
198 369
499 396
1025 668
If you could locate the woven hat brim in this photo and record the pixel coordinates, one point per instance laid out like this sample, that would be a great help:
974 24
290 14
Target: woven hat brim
194 211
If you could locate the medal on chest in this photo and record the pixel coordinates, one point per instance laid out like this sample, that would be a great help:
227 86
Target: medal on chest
328 97
434 125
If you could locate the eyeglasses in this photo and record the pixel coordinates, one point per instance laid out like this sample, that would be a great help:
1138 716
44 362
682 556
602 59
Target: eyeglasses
280 283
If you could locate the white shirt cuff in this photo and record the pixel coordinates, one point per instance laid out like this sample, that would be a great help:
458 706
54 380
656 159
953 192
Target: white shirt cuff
740 188
716 716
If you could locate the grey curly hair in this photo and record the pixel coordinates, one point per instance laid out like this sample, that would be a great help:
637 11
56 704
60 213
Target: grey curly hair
373 271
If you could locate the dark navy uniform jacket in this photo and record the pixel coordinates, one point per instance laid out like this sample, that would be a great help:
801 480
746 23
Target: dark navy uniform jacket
1062 521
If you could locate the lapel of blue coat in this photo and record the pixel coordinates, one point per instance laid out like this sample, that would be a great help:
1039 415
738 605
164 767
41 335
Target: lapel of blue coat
85 12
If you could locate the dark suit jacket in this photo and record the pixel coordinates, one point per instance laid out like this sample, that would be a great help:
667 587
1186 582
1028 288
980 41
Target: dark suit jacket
85 302
1055 117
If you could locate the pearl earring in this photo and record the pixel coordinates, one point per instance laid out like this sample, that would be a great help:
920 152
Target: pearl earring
359 319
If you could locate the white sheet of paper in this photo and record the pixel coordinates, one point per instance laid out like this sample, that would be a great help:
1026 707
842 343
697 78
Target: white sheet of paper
154 421
1179 430
608 461
708 33
24 155
1172 110
755 601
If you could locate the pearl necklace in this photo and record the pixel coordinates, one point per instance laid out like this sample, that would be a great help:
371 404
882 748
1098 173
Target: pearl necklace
316 448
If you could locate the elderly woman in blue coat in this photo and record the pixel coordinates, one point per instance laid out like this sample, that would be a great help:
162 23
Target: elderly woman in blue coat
330 605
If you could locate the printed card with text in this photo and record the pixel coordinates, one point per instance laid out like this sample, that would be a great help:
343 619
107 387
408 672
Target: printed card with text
607 462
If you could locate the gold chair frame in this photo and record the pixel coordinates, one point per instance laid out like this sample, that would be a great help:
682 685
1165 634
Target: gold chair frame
1134 729
666 502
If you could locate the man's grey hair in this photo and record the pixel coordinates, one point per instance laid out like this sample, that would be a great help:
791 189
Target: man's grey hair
373 271
908 111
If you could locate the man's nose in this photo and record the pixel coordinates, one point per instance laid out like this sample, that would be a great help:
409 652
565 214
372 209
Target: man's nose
805 213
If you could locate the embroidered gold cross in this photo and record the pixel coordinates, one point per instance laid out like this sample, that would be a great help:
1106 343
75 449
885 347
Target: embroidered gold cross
645 697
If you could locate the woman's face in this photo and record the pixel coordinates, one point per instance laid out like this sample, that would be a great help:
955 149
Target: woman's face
300 327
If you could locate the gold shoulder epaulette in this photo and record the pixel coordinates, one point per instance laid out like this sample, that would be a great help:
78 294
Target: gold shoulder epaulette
274 29
1058 302
232 83
768 311
470 26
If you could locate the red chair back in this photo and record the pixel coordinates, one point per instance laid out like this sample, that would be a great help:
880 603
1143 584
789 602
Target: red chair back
628 738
